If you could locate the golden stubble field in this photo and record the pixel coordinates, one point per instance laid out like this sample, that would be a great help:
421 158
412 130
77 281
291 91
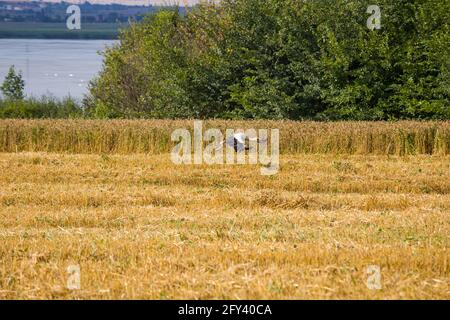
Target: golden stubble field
141 227
104 197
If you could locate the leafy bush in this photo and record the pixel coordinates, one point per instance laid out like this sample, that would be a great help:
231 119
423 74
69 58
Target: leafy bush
144 75
43 108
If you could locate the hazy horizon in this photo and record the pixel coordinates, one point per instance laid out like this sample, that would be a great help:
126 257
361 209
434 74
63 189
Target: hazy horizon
125 2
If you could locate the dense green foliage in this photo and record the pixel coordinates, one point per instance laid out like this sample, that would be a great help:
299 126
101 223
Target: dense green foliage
40 108
281 59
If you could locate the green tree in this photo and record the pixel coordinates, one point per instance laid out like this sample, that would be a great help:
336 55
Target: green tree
276 59
145 74
13 85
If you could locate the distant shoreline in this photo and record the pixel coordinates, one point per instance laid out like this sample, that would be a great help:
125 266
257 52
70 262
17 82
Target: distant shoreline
58 31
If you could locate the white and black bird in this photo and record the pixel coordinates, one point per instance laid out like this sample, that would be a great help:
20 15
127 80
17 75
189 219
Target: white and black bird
238 142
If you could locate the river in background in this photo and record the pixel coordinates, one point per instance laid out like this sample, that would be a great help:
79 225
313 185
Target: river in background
53 67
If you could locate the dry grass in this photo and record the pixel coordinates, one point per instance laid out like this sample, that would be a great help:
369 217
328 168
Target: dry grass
153 136
141 227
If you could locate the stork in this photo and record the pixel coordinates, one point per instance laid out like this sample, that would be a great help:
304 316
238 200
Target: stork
238 142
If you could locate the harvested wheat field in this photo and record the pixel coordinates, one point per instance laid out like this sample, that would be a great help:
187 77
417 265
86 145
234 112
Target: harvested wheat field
139 226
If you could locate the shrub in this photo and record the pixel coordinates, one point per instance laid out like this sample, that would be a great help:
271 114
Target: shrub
44 107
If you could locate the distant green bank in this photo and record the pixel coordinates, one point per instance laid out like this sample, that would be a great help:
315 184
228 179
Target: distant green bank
43 30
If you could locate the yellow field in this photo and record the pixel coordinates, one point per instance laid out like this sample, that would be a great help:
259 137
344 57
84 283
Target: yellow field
105 196
140 227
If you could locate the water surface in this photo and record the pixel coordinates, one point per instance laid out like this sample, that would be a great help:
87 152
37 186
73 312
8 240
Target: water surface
56 67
